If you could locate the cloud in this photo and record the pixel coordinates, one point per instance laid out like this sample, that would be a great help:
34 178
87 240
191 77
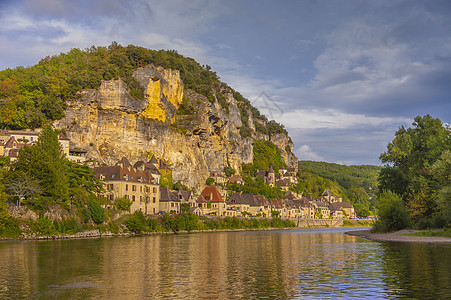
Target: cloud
306 153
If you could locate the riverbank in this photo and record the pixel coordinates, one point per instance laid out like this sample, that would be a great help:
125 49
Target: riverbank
98 234
398 236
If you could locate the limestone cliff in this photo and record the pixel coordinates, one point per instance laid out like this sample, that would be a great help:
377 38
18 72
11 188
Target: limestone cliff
190 133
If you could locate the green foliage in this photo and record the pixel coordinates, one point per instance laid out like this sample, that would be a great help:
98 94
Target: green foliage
409 173
43 226
166 179
97 212
9 227
136 222
210 181
228 171
179 186
392 213
123 204
185 207
46 163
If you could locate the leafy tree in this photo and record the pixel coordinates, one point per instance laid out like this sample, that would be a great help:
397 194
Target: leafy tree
392 213
441 170
136 222
210 181
123 204
228 171
46 163
97 212
409 158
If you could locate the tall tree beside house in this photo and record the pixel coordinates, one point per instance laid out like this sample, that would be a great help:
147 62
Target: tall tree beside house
46 163
409 159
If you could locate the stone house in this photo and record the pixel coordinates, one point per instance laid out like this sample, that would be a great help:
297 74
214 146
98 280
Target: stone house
345 207
169 201
124 181
268 176
283 184
218 204
236 179
238 204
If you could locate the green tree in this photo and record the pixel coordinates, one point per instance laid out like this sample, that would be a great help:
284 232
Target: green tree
409 158
210 181
97 212
441 170
123 204
391 212
46 163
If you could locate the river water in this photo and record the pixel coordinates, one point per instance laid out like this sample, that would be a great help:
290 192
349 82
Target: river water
285 264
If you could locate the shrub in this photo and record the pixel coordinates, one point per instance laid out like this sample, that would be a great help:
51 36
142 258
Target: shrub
136 222
392 213
9 227
97 212
123 204
43 226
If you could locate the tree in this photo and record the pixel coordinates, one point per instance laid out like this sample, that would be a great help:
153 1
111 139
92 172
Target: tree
210 181
408 160
22 186
228 171
441 170
46 163
97 212
392 213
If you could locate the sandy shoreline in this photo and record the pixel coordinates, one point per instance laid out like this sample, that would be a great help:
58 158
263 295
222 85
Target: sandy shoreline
398 236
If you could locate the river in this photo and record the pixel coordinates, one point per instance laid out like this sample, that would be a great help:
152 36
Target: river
284 264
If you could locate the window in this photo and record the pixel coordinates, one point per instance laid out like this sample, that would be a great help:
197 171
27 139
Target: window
126 196
134 188
172 204
126 187
154 190
133 198
154 199
141 188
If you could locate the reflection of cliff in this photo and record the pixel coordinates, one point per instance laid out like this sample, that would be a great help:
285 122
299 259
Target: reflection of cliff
194 140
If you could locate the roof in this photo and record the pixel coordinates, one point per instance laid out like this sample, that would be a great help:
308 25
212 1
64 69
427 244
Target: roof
236 178
201 199
124 163
327 193
211 193
283 183
166 195
153 159
118 173
262 173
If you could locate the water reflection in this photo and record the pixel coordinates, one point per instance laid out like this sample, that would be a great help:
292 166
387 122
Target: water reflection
265 264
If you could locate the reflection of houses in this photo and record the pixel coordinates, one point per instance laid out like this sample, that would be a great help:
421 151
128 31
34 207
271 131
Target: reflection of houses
124 181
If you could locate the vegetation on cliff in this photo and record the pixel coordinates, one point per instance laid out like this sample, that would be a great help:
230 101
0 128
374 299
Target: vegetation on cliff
417 170
34 95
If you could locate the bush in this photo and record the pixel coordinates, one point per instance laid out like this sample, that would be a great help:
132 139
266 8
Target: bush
392 213
43 226
97 212
136 222
123 204
9 227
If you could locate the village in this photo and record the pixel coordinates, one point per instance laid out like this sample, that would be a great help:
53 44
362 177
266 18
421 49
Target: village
140 183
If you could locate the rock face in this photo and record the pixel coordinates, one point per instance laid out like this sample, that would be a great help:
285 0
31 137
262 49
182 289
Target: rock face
193 140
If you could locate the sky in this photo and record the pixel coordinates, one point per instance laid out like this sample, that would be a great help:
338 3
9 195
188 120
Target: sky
342 76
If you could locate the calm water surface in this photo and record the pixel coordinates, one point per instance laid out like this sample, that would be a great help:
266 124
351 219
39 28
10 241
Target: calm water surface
315 264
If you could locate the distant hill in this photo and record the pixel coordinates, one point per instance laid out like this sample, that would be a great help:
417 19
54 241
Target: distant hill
357 184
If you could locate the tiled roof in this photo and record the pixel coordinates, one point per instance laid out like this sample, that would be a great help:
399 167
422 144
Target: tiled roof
212 194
